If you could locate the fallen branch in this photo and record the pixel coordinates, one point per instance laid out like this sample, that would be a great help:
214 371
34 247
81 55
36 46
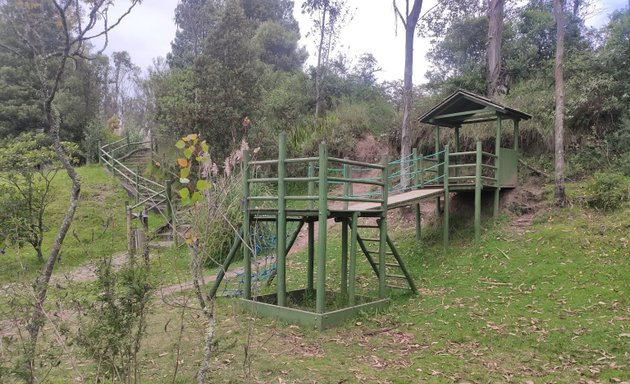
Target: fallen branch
538 171
504 254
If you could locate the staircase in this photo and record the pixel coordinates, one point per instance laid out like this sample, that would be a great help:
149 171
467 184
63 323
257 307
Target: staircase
128 161
396 274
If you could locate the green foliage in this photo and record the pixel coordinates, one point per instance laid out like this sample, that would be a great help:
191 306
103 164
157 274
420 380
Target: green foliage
27 168
608 191
115 324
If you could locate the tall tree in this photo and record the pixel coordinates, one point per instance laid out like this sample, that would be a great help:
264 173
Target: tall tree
493 52
409 19
329 17
51 34
560 196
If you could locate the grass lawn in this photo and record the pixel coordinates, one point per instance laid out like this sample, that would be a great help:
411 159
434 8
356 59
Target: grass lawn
98 228
550 305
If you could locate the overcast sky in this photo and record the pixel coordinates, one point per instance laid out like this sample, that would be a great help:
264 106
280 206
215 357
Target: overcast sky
148 31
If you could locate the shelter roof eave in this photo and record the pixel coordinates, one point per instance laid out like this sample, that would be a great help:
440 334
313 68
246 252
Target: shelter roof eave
463 107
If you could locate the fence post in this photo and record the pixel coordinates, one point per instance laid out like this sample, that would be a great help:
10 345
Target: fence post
311 184
446 196
247 255
98 151
478 193
281 237
353 260
128 141
320 300
497 164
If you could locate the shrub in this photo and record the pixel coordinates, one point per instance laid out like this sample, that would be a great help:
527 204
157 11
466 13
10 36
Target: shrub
608 191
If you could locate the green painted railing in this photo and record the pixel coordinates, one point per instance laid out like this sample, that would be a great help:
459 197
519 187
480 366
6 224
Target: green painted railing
149 195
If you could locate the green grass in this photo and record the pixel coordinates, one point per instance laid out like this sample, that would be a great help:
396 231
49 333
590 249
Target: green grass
98 226
550 305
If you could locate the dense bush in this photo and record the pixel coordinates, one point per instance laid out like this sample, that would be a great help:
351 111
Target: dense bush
608 191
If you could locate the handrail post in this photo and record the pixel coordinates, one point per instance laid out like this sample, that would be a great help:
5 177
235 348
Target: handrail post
320 301
137 181
170 214
281 236
128 141
478 193
382 223
247 262
311 184
421 170
130 238
98 151
416 179
446 196
347 186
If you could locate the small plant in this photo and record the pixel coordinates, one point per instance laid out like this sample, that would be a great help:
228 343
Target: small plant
608 191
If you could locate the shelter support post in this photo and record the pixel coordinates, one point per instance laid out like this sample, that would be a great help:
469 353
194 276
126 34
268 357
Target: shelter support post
478 193
446 197
497 164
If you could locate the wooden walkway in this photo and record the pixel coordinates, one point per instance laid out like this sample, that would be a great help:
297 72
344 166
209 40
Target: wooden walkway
399 200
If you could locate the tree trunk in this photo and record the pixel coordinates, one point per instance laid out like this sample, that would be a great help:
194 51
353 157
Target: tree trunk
493 52
410 21
319 72
560 195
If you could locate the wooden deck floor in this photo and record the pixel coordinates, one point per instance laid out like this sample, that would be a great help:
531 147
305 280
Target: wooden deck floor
399 200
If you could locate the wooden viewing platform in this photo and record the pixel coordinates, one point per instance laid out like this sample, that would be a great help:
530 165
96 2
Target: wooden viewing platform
391 185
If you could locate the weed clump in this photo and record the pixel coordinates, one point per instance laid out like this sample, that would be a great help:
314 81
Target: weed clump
608 191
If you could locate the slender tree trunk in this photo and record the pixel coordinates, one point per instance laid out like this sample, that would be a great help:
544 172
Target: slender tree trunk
560 195
493 52
319 71
410 21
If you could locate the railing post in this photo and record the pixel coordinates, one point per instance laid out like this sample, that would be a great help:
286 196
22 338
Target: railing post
344 257
137 181
446 196
311 184
382 223
130 238
320 301
111 161
281 236
421 165
478 193
416 182
98 151
170 214
347 186
128 141
247 255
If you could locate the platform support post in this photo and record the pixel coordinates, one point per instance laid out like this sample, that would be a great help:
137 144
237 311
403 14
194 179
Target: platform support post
311 257
478 193
281 237
353 260
416 182
446 197
497 163
382 223
344 257
516 136
247 255
320 300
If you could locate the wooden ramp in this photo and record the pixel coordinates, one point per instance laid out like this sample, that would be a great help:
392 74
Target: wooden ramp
399 200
